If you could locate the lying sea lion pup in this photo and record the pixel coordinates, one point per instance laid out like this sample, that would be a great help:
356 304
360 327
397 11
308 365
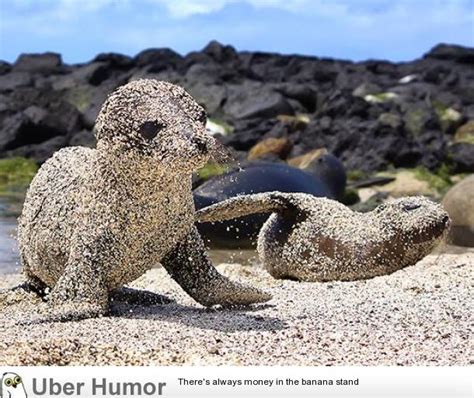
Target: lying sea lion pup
96 219
317 239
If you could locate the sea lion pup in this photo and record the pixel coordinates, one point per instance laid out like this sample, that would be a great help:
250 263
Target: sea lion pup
96 219
318 239
325 180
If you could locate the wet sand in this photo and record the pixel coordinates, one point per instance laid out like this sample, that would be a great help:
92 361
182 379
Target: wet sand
421 315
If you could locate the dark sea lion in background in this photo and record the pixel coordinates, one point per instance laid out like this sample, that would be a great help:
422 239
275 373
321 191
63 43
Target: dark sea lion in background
324 177
97 219
318 239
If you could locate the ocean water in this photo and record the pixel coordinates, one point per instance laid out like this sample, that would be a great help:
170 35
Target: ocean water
11 203
9 258
10 208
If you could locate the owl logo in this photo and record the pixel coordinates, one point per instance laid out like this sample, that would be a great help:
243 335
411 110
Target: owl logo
12 386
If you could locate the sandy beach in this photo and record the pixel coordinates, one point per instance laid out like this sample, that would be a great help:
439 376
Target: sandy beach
421 315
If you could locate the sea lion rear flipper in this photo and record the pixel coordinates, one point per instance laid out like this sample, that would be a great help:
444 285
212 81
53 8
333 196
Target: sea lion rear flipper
81 291
245 205
20 294
190 267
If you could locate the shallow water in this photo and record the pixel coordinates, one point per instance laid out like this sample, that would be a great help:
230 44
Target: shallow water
11 202
10 260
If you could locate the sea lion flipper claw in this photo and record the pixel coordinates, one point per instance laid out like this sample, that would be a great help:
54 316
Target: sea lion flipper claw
190 267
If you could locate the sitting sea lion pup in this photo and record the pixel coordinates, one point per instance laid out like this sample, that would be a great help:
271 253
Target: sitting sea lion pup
96 219
318 239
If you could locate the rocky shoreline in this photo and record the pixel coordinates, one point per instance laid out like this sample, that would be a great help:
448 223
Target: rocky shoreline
373 115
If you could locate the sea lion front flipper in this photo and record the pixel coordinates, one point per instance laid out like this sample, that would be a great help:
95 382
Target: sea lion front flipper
244 205
190 267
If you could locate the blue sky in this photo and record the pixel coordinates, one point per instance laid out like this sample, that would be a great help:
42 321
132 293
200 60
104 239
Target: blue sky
397 30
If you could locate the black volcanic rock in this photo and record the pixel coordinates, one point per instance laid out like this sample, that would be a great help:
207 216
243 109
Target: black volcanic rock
5 67
452 52
219 52
40 63
115 60
255 100
462 157
372 114
13 80
158 59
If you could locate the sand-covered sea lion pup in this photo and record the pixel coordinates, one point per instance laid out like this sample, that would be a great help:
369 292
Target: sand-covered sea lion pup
96 219
327 178
318 239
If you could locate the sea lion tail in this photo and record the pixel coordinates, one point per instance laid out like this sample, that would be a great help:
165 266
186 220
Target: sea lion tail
244 205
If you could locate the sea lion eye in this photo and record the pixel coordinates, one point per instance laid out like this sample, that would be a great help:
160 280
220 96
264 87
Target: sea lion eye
18 380
150 129
411 206
8 382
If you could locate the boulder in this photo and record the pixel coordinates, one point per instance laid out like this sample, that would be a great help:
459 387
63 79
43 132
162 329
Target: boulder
39 152
366 89
83 138
252 101
407 183
305 160
115 60
37 124
461 155
38 63
210 96
280 147
296 122
452 52
303 93
392 120
5 67
420 117
459 203
219 52
247 133
13 80
465 133
157 59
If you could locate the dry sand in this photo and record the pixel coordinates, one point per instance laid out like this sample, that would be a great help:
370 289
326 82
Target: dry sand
421 315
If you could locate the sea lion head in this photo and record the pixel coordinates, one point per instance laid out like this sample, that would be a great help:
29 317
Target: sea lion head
416 220
155 120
